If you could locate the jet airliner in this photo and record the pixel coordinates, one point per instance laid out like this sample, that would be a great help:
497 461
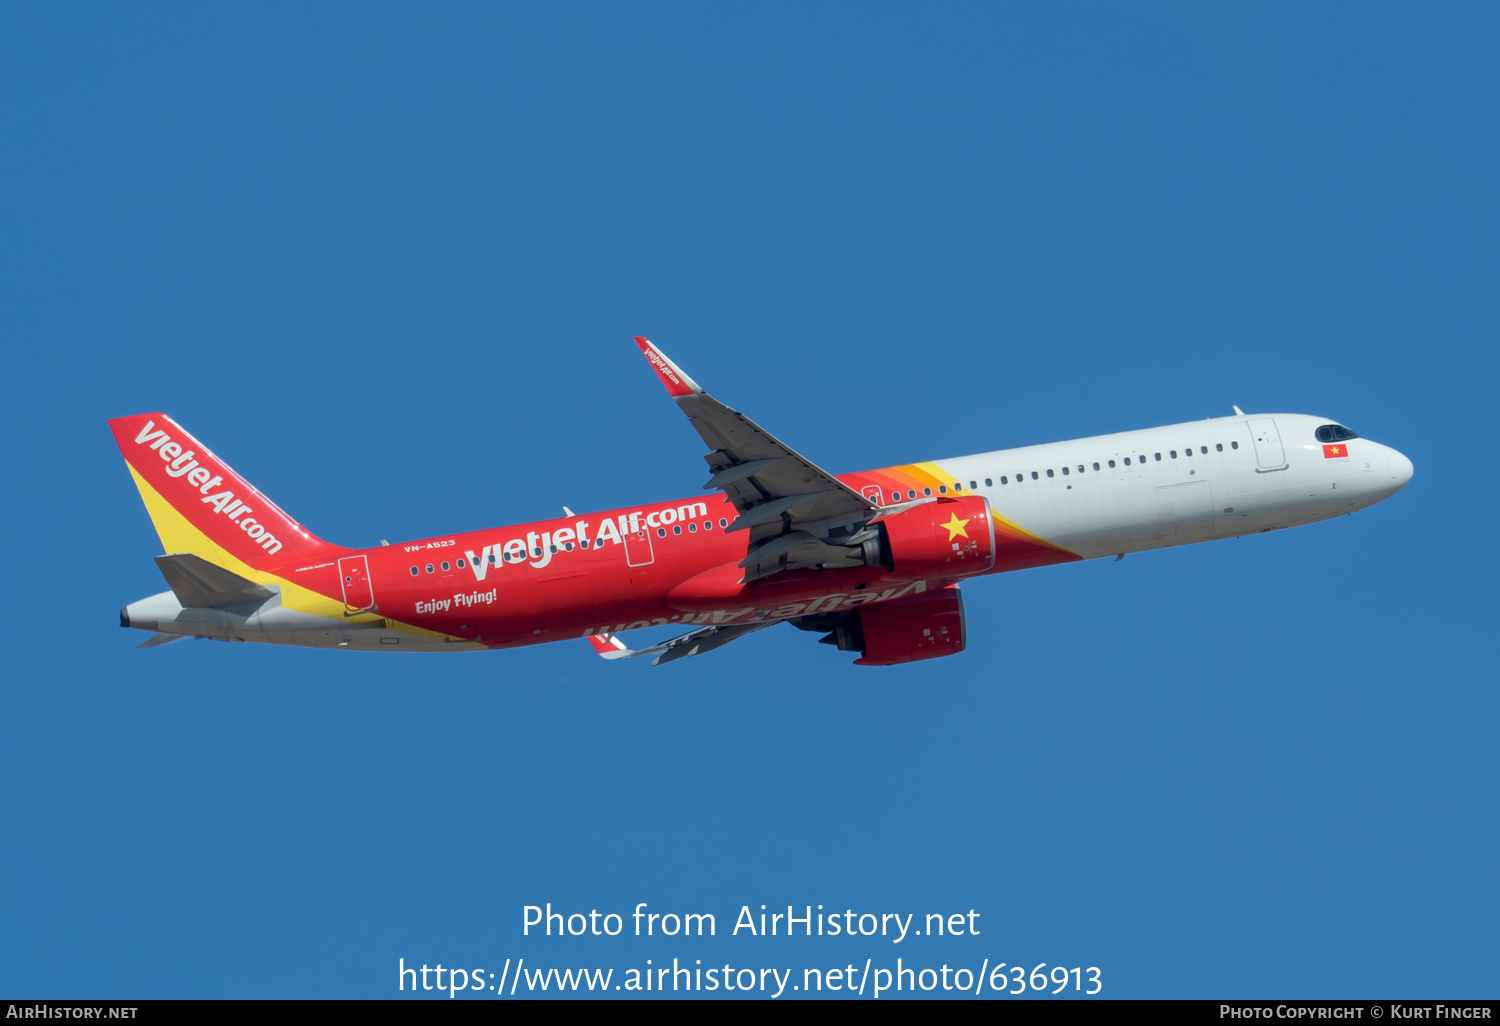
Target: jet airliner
870 561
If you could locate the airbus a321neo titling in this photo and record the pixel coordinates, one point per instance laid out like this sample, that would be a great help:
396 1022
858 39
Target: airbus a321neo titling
870 561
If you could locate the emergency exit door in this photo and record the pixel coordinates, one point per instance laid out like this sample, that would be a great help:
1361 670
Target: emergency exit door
638 551
354 574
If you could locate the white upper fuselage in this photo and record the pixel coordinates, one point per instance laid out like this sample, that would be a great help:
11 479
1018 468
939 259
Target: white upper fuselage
1202 480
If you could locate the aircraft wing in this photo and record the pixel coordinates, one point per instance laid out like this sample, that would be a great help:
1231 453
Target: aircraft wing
704 639
160 638
795 514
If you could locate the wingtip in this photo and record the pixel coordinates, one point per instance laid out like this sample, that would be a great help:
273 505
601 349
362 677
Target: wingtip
608 646
677 383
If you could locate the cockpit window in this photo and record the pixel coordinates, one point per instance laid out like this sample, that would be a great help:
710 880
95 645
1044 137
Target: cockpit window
1334 433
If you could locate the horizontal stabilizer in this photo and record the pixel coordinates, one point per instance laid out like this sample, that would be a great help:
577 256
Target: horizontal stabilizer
197 583
161 639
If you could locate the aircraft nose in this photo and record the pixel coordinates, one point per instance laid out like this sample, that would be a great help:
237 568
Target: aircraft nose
1401 470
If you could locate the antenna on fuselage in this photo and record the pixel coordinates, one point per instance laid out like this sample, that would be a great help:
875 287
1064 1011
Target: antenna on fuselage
567 512
1237 411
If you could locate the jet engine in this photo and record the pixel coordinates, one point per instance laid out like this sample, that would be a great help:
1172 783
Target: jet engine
904 630
946 538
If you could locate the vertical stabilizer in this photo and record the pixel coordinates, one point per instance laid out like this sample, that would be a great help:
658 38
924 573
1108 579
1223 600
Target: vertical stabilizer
200 506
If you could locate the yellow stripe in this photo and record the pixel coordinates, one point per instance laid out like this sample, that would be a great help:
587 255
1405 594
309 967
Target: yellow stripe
177 534
942 476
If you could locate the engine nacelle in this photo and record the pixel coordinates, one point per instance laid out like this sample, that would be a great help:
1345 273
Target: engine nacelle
948 538
916 627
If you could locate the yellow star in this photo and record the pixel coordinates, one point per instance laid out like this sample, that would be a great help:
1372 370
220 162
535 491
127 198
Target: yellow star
956 527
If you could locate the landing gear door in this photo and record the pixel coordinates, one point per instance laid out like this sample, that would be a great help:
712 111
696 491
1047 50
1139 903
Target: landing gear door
1268 451
354 575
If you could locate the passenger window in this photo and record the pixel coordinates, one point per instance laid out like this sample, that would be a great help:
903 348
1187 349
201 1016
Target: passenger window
1203 449
676 528
1218 446
1234 445
989 483
415 571
1003 479
723 522
926 491
708 525
895 496
974 484
1049 473
1158 457
942 489
911 493
958 486
1065 472
1096 466
1174 454
429 568
492 556
445 564
460 564
1080 467
1127 461
692 528
1033 475
661 532
1112 464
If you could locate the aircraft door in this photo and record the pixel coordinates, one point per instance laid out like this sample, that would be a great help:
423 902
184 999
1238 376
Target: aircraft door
354 575
638 551
1268 451
872 492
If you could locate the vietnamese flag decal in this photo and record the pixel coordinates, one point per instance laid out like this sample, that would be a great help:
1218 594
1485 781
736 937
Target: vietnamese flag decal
1336 452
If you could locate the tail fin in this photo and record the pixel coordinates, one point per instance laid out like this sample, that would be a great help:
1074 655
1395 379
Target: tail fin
199 506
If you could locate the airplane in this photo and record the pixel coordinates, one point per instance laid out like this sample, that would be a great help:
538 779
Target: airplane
871 561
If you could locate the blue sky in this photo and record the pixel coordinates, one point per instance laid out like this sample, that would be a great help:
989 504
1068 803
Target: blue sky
387 262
